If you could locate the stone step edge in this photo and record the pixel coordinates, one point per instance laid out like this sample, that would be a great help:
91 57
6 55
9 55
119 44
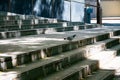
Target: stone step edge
101 75
113 65
75 68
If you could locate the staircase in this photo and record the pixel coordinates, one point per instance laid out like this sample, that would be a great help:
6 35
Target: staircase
38 51
17 25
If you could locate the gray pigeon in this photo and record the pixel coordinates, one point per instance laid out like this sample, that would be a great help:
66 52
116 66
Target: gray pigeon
70 38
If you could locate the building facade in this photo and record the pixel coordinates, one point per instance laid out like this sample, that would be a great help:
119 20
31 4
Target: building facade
111 8
61 9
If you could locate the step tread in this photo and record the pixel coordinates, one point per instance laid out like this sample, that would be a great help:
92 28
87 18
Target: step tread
36 43
113 64
70 70
101 75
102 54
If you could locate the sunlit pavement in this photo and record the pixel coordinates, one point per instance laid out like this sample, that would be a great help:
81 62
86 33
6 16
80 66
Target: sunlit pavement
109 21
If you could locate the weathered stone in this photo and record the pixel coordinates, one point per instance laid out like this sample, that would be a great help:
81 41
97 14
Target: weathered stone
5 63
65 47
35 55
74 45
77 71
102 75
102 37
28 32
55 50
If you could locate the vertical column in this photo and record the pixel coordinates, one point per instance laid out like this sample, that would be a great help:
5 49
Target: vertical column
70 12
9 5
99 13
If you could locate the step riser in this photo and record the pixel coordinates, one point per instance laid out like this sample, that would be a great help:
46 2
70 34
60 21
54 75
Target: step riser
23 58
117 49
102 37
4 18
74 76
41 23
118 52
63 63
7 23
93 50
5 63
86 42
112 43
78 72
116 33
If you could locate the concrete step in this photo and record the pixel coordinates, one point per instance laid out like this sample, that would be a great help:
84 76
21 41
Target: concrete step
75 72
25 30
44 67
26 22
71 57
8 23
113 65
75 23
102 37
20 58
116 33
103 57
101 75
5 63
20 24
116 48
29 24
49 25
31 56
8 18
44 20
95 48
112 43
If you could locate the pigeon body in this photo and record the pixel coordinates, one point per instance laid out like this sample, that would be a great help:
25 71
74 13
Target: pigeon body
70 38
